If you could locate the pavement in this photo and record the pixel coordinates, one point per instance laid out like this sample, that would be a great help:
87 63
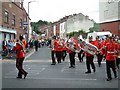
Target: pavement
28 54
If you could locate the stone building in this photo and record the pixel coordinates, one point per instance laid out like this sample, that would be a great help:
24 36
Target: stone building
12 16
78 22
109 16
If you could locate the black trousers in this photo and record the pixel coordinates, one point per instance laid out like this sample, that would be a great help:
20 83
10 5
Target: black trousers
19 66
89 61
64 53
117 62
72 58
36 48
53 56
110 64
58 56
80 57
99 57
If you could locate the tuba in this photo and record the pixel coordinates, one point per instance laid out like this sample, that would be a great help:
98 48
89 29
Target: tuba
88 47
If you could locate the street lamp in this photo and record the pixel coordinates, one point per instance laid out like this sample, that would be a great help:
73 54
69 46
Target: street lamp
28 18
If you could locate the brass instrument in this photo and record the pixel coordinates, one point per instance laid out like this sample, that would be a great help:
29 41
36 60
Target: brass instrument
88 47
60 43
70 45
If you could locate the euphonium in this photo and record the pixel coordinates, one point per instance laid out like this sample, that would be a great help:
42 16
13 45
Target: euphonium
70 45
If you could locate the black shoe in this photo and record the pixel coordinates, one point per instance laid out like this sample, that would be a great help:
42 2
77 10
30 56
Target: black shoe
19 77
53 64
108 79
73 66
87 72
115 76
70 66
94 70
25 75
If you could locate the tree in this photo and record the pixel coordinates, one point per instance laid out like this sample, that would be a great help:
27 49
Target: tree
95 28
35 25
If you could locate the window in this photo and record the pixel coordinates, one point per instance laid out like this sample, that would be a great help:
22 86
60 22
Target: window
20 23
13 20
21 1
6 17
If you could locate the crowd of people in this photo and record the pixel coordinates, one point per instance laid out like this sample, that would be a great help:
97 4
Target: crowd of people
7 47
108 49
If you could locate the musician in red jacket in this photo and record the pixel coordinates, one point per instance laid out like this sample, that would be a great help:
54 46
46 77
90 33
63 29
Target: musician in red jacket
64 53
110 58
20 55
58 49
89 59
53 50
73 45
99 54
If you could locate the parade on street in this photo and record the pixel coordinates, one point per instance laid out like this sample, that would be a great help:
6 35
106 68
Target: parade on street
59 44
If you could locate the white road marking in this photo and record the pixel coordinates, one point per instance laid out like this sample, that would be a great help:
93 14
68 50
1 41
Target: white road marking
45 78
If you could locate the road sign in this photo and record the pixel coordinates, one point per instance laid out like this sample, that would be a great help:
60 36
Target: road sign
25 24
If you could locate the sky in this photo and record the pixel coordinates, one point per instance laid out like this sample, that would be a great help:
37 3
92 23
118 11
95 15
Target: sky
54 10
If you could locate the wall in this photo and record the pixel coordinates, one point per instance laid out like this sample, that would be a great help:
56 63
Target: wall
79 22
109 17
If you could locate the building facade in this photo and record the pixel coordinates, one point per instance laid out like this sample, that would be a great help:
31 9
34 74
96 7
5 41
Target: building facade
77 22
13 16
68 24
109 16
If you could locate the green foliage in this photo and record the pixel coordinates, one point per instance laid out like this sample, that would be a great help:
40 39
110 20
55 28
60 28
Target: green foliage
95 28
80 32
35 25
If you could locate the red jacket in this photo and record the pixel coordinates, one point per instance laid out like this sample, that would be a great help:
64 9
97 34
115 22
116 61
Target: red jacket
96 43
19 48
64 47
58 47
111 51
118 49
53 45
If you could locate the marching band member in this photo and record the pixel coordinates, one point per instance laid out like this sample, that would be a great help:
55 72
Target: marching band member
99 54
80 53
89 59
71 52
64 53
110 58
53 50
20 55
58 45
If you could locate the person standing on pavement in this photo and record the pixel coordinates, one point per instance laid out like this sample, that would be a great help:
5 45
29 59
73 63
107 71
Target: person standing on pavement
36 43
20 55
89 59
110 58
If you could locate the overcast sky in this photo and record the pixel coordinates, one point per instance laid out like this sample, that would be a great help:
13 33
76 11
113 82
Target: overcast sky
53 10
